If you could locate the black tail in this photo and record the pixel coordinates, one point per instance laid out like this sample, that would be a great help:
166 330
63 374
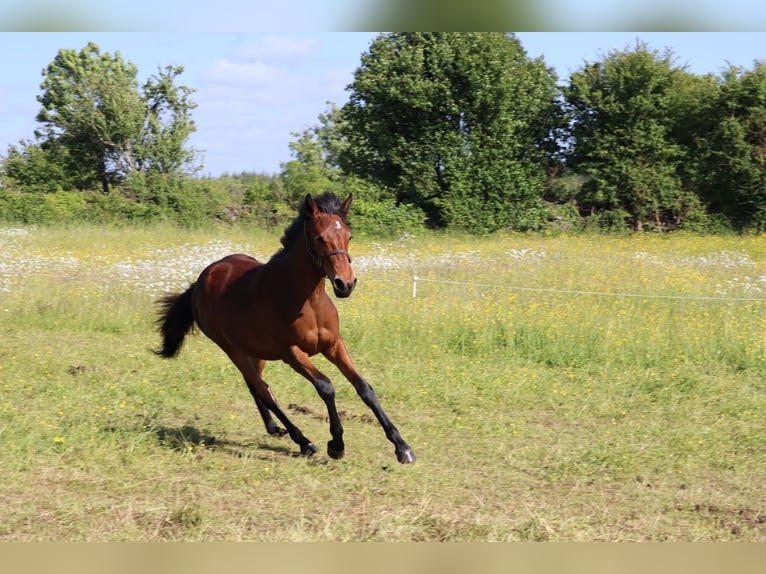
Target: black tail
175 321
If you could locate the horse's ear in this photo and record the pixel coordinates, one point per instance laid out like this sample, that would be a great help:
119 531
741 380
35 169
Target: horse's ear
311 206
346 205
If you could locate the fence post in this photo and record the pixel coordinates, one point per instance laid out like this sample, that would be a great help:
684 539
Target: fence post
414 286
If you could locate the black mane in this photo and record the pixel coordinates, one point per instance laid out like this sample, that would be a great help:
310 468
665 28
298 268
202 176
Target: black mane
327 202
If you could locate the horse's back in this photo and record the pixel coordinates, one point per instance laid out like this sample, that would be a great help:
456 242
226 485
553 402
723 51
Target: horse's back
219 274
210 301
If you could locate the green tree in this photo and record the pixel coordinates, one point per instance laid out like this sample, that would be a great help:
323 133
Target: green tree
320 145
33 168
92 107
453 123
167 126
731 147
625 112
314 168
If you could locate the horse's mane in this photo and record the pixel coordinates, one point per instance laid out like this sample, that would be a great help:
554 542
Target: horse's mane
327 202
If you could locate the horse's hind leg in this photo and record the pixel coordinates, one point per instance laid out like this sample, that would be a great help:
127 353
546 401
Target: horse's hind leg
271 426
269 423
251 370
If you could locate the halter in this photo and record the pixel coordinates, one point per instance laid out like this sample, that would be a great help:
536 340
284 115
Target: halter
318 259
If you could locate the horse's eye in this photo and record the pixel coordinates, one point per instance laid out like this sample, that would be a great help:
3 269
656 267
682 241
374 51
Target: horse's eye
320 239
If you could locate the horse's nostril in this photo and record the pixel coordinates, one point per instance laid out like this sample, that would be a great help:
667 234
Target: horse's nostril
339 285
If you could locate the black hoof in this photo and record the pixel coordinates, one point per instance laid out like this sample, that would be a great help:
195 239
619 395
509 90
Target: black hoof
334 452
309 449
406 456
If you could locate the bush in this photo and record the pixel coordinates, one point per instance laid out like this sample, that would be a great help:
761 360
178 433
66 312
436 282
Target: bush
383 217
181 199
187 202
114 207
35 208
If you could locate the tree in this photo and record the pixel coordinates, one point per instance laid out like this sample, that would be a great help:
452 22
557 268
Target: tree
315 149
731 146
32 168
315 169
167 126
625 112
92 107
453 123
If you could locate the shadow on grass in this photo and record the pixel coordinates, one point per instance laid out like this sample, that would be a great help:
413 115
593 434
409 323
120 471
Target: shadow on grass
189 438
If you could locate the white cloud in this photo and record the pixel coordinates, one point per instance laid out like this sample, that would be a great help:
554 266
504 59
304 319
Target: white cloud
264 64
227 72
279 47
255 97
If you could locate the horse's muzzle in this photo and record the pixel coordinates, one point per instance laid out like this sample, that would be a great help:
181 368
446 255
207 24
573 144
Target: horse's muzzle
342 288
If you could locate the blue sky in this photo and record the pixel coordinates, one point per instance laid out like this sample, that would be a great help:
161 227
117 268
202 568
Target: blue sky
349 15
255 89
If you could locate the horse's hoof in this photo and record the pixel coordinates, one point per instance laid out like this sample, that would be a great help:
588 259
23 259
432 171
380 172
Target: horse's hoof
309 449
334 452
274 430
406 456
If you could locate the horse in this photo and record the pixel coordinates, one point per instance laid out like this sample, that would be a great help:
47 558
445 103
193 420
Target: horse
279 311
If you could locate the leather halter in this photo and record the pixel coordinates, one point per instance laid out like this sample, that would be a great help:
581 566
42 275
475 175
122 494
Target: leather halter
319 259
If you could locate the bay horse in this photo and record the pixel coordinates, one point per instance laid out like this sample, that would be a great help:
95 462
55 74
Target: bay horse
279 311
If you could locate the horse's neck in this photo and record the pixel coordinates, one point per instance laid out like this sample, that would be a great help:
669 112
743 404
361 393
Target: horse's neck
298 274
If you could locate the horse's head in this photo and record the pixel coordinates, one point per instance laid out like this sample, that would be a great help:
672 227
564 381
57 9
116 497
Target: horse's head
327 237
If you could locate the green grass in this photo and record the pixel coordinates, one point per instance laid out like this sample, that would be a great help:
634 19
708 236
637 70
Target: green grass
535 414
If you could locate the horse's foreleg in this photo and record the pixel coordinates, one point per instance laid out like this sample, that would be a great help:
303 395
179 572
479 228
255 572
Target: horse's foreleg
301 364
338 355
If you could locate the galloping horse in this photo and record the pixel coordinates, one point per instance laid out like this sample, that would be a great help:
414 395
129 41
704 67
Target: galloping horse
257 312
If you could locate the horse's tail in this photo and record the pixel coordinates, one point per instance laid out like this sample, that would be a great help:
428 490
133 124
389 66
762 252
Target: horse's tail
175 321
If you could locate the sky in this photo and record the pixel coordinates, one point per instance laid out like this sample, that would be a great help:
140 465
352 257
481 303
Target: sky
255 90
350 15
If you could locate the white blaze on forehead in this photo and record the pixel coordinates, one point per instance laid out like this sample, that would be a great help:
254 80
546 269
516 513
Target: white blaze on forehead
337 225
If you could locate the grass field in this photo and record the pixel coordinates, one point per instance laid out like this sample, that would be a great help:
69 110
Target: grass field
553 388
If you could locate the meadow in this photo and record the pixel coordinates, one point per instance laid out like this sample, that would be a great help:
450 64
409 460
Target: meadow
582 388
